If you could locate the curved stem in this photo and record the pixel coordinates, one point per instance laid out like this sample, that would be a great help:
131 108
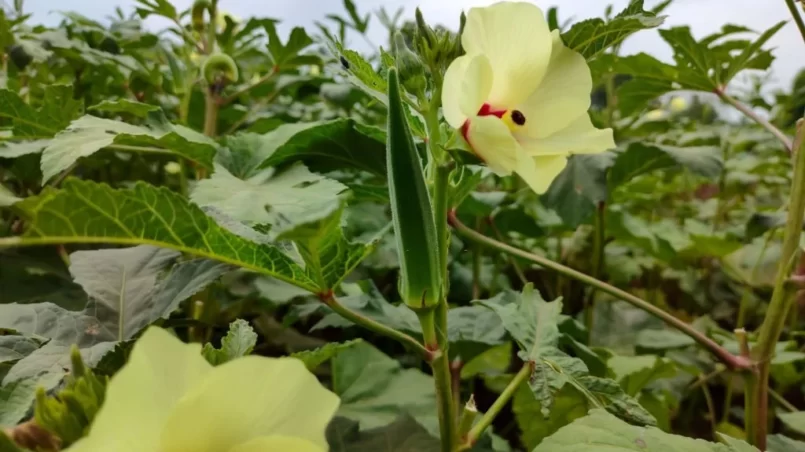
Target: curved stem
755 117
730 360
377 327
797 18
488 417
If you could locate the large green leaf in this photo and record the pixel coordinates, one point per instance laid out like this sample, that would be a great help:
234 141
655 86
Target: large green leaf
375 389
281 200
57 110
568 405
7 198
576 191
780 443
329 256
87 212
609 433
127 282
89 134
16 398
704 65
402 435
641 158
327 145
239 341
593 36
14 347
287 54
636 372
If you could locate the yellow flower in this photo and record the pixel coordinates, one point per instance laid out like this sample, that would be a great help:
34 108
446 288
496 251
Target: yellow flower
519 96
656 115
167 398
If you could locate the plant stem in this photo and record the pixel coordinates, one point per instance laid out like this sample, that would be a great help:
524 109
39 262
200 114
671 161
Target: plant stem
440 365
599 242
497 406
755 117
210 114
781 299
782 401
797 18
329 299
730 360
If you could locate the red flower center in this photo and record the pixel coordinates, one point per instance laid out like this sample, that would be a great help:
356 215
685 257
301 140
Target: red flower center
485 110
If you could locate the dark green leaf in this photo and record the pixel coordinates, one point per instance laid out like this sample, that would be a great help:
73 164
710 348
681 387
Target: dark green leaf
239 341
14 348
87 212
16 399
568 405
162 8
375 390
636 372
578 189
593 36
57 110
326 146
137 109
780 443
287 54
794 421
641 158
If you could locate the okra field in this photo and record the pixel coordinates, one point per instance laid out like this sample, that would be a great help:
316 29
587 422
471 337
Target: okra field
503 233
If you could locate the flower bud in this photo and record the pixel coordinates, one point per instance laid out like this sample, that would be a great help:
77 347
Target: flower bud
410 67
219 68
197 13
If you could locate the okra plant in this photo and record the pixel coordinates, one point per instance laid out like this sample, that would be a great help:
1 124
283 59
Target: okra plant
505 234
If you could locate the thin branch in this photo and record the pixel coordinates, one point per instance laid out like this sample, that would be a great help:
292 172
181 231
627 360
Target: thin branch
755 117
231 98
797 18
730 360
488 417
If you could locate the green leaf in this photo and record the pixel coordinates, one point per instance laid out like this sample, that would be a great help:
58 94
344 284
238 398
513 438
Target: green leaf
780 443
162 8
87 212
316 357
239 341
636 372
329 256
531 321
14 149
656 341
287 54
361 73
58 108
752 54
641 158
137 109
402 435
16 399
608 432
127 283
794 421
575 193
375 389
14 347
281 200
326 146
593 36
89 134
568 405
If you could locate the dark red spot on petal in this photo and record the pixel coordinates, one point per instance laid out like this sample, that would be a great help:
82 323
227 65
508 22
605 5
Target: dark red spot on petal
487 110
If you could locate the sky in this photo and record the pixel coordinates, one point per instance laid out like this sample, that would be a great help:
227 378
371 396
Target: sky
703 16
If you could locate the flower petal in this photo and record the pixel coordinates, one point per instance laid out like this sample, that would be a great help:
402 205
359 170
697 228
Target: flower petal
539 172
492 141
249 398
578 137
563 94
277 443
467 83
516 39
141 396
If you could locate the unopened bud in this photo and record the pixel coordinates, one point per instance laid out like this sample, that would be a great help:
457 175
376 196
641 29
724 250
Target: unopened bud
412 71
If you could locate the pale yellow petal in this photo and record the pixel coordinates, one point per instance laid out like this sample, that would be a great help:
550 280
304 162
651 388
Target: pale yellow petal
467 83
563 95
278 444
249 398
516 39
539 172
578 137
141 396
492 141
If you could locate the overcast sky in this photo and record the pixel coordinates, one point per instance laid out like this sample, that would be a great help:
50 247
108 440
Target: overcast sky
703 16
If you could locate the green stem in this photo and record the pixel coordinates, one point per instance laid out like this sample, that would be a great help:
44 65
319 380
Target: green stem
755 117
782 401
467 418
231 98
440 365
488 417
330 300
797 18
210 114
732 361
212 27
599 242
781 299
